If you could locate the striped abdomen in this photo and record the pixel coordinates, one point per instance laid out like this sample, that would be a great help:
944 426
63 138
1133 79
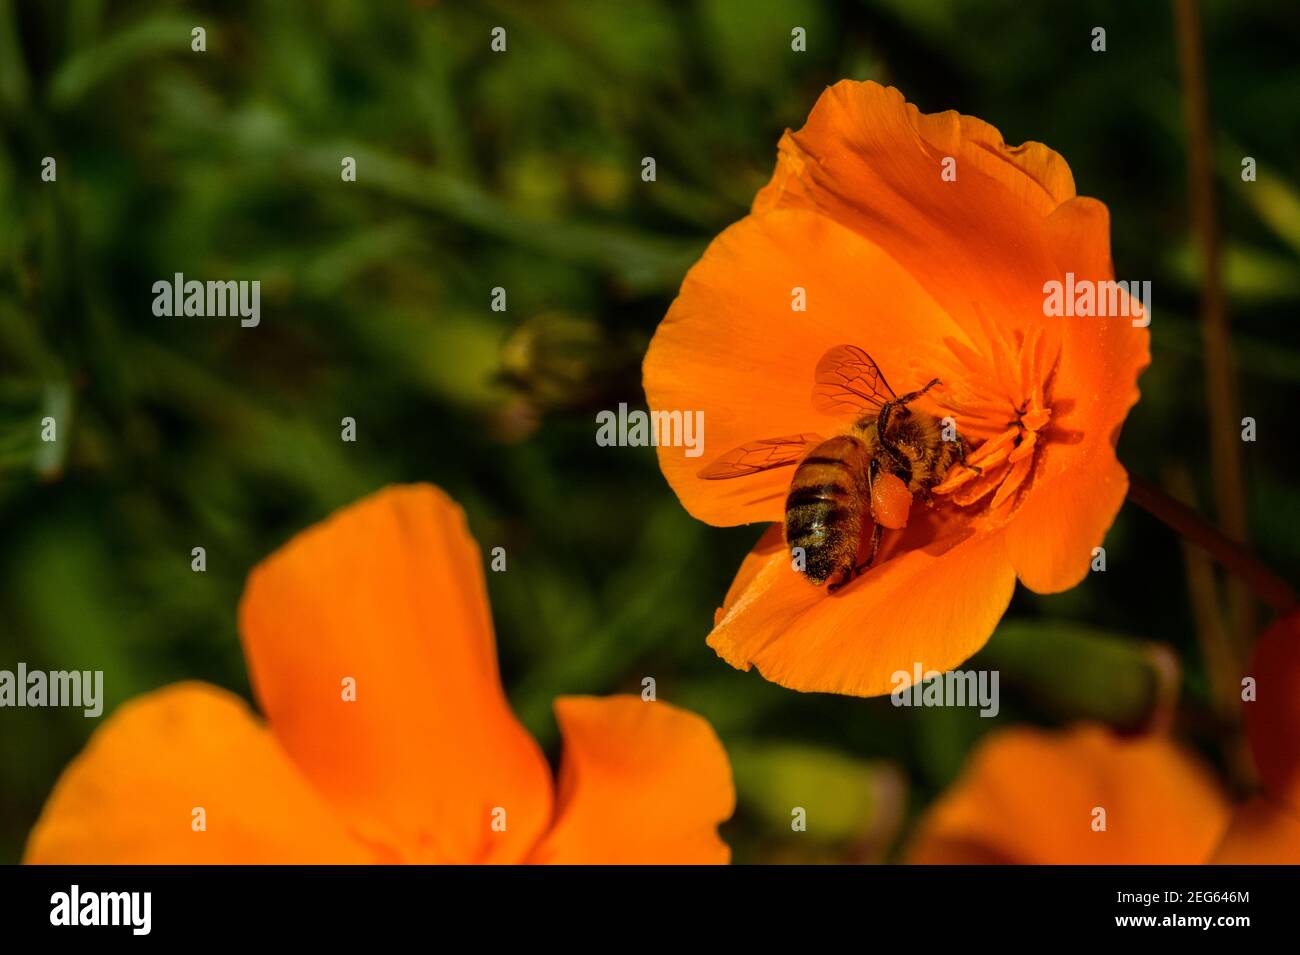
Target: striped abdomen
825 509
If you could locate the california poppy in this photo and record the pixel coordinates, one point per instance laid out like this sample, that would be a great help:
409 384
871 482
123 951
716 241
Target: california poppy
1078 796
387 736
1266 829
927 242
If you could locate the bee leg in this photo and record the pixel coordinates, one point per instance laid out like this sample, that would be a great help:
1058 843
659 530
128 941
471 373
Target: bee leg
849 574
913 395
961 456
846 575
882 429
862 568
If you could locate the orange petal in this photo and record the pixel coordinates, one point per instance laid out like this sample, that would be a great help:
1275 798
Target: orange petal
934 605
772 542
1262 832
1064 515
1038 178
1079 484
1100 357
1273 717
130 797
389 592
640 782
1030 796
732 347
873 162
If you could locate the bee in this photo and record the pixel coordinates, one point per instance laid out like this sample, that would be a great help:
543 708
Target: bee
871 469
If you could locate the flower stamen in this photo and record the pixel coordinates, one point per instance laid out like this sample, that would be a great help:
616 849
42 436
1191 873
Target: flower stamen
1000 464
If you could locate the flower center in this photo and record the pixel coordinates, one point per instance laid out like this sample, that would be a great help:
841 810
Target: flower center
1000 406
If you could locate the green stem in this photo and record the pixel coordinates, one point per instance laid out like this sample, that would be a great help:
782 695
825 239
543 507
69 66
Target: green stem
1221 391
1234 558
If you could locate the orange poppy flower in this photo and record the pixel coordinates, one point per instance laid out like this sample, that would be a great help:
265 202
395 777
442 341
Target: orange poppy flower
1030 796
1267 828
863 225
423 763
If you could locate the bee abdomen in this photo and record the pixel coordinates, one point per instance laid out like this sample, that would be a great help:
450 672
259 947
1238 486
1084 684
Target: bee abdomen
814 494
820 517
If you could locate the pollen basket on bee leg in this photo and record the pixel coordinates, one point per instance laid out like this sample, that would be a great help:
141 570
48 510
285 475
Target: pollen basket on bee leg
891 501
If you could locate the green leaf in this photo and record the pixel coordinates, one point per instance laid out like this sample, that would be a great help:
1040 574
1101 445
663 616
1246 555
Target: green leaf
145 40
844 799
1070 672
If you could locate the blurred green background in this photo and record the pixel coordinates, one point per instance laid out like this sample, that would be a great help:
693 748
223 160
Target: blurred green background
522 170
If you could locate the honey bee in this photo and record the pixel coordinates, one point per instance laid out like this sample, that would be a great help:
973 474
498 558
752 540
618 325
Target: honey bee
871 469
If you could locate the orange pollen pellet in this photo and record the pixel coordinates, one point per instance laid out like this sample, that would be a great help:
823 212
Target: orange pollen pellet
891 501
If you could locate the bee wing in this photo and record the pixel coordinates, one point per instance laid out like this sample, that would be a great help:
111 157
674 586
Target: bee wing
848 382
762 455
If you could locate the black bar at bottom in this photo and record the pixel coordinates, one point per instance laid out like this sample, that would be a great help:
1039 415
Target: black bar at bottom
333 903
